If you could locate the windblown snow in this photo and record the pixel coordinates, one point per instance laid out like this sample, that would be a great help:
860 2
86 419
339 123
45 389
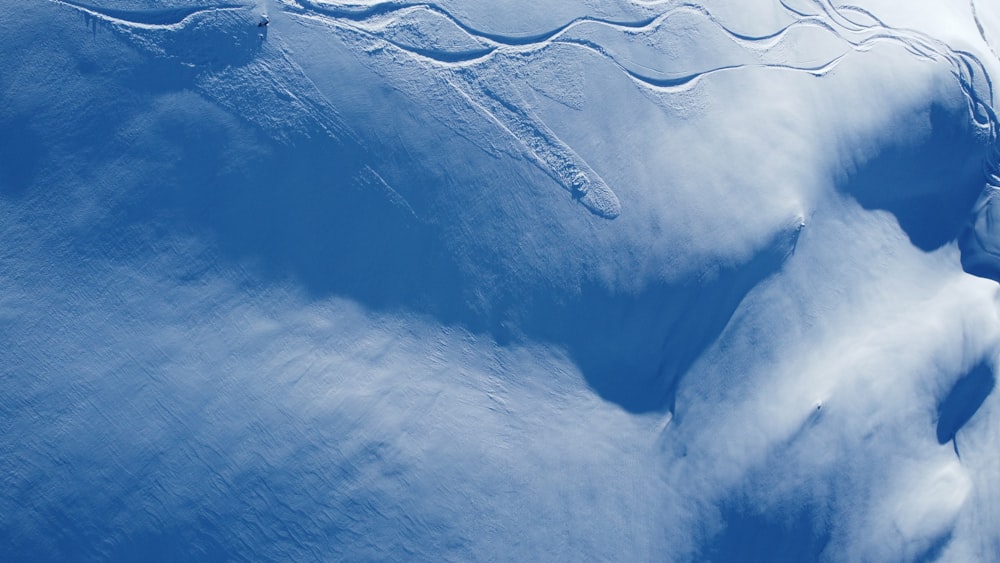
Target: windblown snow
613 280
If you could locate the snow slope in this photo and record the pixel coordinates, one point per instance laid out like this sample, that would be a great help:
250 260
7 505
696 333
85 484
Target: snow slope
600 280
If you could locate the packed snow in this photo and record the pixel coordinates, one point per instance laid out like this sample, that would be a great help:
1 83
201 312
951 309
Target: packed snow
613 280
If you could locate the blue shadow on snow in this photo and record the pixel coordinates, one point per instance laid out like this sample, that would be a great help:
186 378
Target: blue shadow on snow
963 400
930 185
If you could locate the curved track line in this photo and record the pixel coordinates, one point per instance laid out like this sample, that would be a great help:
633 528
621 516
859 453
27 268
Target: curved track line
532 42
462 59
977 86
388 8
682 83
559 160
544 147
167 18
982 30
966 66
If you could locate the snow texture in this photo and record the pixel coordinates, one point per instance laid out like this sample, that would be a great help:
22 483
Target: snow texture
614 280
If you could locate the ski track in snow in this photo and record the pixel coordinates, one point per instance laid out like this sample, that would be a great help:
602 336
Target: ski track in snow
967 68
555 157
564 164
160 19
981 248
982 30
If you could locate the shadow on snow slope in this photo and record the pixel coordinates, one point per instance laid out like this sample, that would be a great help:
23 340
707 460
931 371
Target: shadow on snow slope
963 400
315 210
763 518
931 183
752 535
633 349
21 157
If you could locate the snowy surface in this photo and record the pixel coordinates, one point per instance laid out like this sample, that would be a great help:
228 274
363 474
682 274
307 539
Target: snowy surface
623 280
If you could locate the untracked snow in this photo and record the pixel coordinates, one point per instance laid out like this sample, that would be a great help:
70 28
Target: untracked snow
613 280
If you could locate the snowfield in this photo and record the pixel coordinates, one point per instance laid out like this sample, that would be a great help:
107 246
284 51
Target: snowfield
611 280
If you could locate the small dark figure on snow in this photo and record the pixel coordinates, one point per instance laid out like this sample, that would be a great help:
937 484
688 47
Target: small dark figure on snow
263 21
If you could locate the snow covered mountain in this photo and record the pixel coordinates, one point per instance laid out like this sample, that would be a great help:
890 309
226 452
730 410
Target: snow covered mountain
615 280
